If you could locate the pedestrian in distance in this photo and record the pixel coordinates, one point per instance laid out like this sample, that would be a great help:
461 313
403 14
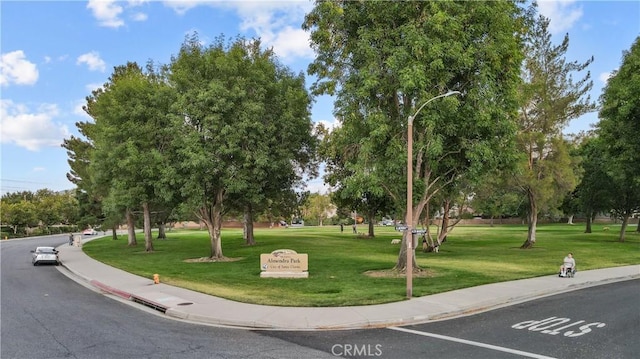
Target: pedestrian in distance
568 265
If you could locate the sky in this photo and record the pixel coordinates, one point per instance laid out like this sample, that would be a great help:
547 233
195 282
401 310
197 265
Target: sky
54 53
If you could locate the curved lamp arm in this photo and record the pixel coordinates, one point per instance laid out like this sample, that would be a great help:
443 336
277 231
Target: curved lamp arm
424 104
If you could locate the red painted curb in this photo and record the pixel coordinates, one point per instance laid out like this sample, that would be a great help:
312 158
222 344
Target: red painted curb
111 290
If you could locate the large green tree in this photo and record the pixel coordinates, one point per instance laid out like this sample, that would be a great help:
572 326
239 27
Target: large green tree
131 139
359 191
550 99
243 129
89 197
277 140
49 207
19 215
318 207
383 60
618 129
41 208
593 193
493 197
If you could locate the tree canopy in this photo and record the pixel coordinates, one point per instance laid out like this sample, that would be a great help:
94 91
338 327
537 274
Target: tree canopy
618 129
550 98
244 127
383 60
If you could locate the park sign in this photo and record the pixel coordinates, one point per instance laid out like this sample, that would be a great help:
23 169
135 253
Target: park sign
284 263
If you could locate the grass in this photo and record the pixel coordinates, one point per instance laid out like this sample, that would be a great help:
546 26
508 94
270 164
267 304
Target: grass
472 255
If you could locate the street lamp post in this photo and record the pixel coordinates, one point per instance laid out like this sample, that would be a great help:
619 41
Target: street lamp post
409 219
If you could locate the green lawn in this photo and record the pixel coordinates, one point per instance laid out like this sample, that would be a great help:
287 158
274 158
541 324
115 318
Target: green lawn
338 261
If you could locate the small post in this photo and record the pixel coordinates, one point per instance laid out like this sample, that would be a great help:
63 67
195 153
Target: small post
156 278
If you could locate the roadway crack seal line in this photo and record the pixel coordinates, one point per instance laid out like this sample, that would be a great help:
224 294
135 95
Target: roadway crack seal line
470 342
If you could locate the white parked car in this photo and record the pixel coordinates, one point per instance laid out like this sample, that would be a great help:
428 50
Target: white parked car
89 232
42 255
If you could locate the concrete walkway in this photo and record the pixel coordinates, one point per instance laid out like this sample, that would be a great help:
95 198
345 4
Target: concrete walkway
194 306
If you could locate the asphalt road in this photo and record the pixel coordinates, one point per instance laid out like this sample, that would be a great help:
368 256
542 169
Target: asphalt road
597 322
46 314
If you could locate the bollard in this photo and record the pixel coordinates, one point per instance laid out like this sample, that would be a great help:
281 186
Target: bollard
156 279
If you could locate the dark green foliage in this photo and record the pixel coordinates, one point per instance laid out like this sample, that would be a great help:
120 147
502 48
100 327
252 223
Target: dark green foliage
549 99
619 130
383 61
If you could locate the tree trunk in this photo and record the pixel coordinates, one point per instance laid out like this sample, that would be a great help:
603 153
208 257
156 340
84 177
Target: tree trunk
570 221
211 216
429 222
533 222
401 264
444 225
148 240
589 220
371 220
162 234
114 232
623 227
248 225
131 229
244 226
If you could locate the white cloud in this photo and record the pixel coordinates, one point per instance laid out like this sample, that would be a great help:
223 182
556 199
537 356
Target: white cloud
91 87
77 109
290 42
107 12
562 13
32 130
137 2
182 6
330 125
605 76
139 16
276 23
15 68
93 60
39 169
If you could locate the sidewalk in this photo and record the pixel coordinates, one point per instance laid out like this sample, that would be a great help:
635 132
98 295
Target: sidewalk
197 307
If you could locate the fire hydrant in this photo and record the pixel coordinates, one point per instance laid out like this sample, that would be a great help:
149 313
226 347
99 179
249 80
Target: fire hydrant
156 278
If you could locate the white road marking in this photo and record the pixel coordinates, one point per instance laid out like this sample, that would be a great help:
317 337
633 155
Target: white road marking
470 342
